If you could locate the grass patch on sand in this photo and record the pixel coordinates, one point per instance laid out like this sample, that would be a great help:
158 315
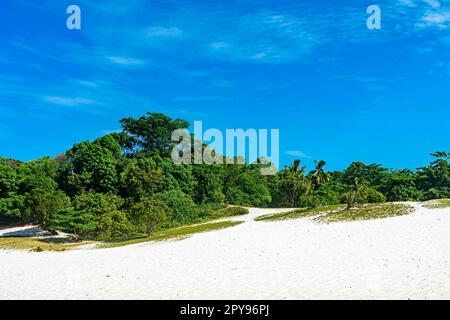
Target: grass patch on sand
301 213
37 244
340 213
230 211
367 212
437 204
175 233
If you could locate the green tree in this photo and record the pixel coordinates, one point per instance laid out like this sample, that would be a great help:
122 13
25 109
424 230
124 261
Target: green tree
89 166
83 224
113 225
209 184
318 176
183 208
151 134
41 206
149 214
139 178
371 175
8 183
434 180
294 183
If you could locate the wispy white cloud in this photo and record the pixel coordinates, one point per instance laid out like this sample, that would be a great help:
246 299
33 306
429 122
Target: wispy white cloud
408 3
69 102
433 3
439 19
297 153
125 61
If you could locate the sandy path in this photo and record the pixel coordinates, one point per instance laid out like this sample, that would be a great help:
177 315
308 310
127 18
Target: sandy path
403 257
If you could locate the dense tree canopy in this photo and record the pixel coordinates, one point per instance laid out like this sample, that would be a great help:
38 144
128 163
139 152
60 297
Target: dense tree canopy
125 184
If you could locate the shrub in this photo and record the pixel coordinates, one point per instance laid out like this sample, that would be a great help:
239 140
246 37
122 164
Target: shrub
183 208
374 196
97 203
82 224
41 206
113 225
149 214
12 207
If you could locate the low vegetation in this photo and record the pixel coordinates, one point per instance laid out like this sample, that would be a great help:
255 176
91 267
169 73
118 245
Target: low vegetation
341 213
367 212
37 244
231 212
176 233
300 213
437 204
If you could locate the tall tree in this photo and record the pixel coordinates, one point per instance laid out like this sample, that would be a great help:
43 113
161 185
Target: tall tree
294 182
318 175
151 134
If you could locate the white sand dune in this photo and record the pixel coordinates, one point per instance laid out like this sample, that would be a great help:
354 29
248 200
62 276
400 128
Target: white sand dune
404 257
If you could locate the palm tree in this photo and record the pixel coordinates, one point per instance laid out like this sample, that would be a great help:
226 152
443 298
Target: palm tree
294 182
318 175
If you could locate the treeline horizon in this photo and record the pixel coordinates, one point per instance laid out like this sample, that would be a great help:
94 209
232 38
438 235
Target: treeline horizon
125 184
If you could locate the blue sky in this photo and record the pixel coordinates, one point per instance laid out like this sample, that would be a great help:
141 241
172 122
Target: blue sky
336 90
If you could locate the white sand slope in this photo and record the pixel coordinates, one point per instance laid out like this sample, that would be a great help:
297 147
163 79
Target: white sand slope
404 257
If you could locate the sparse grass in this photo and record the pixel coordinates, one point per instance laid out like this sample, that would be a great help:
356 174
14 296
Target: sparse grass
176 233
437 204
231 211
36 244
367 212
339 213
301 213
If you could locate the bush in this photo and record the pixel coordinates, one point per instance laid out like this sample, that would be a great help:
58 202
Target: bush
41 206
149 214
374 196
113 225
183 208
82 224
12 207
97 203
310 201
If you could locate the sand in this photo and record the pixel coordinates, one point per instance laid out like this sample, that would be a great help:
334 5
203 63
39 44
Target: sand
405 257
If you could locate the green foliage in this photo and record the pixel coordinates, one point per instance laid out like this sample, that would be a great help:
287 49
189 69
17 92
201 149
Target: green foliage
231 212
400 185
434 180
151 134
41 206
149 214
294 183
89 166
209 184
113 225
374 196
97 203
371 175
8 182
176 176
12 207
183 208
246 187
139 178
83 224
